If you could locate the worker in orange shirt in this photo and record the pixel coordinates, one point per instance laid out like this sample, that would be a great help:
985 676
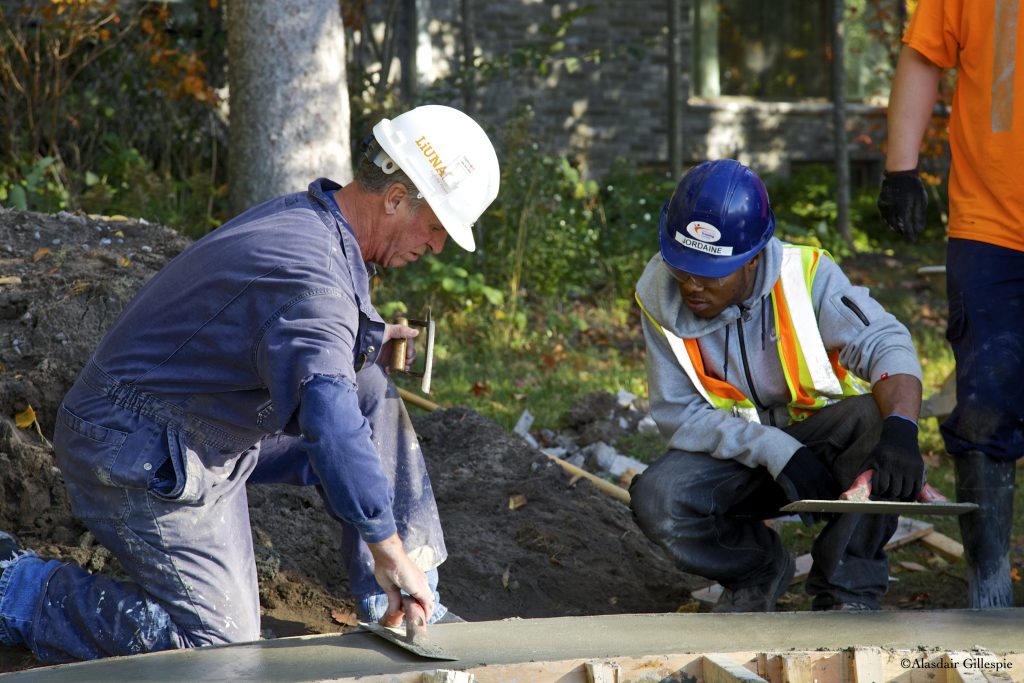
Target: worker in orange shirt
983 40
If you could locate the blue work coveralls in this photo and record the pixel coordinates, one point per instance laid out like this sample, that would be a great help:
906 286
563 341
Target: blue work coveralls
249 357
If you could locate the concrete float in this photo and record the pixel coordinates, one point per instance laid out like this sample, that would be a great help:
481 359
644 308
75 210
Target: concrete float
852 647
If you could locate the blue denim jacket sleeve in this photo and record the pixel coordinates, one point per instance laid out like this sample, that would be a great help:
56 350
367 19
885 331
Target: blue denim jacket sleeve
337 438
305 358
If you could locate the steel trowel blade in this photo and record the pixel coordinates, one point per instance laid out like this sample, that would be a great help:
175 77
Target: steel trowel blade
880 507
399 638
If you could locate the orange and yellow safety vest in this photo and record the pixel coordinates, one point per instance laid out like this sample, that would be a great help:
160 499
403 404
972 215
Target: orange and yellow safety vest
813 374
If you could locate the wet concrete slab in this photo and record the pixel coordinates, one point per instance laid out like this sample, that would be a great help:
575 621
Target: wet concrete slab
333 657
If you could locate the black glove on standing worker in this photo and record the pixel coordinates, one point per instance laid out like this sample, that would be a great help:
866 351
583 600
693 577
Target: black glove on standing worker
899 470
902 202
805 476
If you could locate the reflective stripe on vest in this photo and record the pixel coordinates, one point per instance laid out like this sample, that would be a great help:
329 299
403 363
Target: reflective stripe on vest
814 376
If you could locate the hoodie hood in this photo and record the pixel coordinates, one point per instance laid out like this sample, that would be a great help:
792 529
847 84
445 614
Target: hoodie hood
659 293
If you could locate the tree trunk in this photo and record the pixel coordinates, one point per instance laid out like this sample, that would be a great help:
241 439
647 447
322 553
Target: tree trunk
468 54
288 96
839 125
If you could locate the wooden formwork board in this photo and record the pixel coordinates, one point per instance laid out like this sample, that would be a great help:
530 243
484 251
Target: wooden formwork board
855 665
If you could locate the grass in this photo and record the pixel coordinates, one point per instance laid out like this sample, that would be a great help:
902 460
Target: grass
542 372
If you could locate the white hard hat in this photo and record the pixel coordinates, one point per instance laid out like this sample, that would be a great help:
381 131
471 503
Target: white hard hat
450 159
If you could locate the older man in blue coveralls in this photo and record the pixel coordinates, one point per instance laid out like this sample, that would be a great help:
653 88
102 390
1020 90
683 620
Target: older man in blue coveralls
251 357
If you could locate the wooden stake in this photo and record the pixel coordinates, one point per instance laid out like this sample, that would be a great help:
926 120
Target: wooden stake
603 672
417 401
944 545
718 669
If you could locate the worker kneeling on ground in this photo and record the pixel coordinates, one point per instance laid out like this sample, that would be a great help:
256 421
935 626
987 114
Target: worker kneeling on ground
253 357
755 350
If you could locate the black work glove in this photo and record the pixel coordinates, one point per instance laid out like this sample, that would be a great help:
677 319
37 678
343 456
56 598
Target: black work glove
902 202
805 477
899 469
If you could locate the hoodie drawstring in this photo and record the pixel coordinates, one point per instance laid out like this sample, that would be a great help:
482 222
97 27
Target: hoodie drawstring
726 363
764 314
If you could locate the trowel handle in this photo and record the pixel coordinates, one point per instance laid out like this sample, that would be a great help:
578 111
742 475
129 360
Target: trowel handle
398 347
415 620
860 489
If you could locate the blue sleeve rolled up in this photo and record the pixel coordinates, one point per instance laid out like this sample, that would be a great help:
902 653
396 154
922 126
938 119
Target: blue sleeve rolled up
338 440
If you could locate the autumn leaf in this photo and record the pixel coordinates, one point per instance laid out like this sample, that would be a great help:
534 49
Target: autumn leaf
25 418
344 618
480 388
516 501
40 253
627 477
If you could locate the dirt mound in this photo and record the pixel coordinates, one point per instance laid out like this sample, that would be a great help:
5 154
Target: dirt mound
564 550
569 550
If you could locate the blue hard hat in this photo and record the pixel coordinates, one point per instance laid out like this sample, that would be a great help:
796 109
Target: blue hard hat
717 219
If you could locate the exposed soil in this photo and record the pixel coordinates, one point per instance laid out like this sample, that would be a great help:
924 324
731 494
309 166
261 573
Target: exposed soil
569 550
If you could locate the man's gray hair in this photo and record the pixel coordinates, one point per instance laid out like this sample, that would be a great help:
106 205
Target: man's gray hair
374 180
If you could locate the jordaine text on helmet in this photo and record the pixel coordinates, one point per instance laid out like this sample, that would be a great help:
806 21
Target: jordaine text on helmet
713 249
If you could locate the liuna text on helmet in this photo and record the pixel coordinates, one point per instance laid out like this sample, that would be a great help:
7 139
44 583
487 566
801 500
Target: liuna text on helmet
431 155
713 249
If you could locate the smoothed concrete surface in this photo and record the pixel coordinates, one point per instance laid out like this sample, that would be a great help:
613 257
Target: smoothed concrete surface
326 657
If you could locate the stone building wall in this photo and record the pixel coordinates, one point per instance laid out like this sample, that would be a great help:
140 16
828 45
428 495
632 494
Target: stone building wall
618 108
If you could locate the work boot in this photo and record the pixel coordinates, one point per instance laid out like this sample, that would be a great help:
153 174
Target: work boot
761 597
986 531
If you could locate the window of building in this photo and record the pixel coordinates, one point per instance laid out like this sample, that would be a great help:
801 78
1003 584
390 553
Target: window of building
780 49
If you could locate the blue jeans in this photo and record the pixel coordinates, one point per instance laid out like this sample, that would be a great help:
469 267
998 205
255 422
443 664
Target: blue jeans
985 286
181 531
707 513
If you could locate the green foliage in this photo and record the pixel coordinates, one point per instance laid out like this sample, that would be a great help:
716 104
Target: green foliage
34 185
631 203
115 99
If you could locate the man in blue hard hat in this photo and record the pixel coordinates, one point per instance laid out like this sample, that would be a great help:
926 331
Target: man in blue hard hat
772 379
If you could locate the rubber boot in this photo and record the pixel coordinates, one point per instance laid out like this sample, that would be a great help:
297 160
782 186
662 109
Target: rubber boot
986 531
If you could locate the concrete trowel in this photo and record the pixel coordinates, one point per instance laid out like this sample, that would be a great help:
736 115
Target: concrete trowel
414 639
858 499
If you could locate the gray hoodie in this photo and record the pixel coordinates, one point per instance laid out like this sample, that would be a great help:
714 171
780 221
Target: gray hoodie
739 346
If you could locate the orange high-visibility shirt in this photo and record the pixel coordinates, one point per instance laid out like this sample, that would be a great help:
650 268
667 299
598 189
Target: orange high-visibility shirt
984 41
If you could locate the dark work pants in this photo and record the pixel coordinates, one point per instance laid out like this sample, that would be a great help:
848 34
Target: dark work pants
708 513
985 286
985 432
